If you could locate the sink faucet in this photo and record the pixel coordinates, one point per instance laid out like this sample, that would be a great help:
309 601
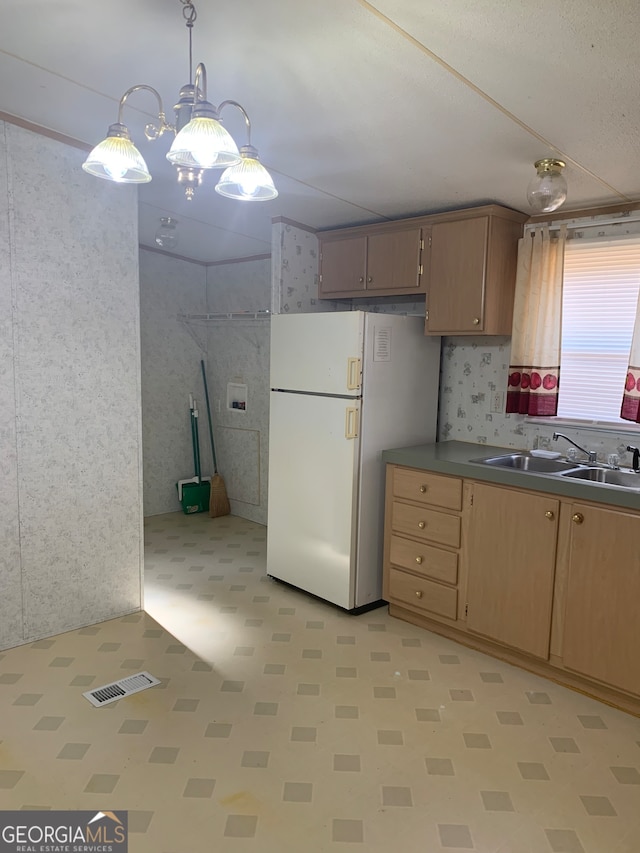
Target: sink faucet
636 457
592 454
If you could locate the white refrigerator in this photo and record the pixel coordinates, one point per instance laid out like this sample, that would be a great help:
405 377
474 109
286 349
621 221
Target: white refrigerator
344 387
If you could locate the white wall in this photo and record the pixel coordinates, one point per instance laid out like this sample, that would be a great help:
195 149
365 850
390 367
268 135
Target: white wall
70 437
171 354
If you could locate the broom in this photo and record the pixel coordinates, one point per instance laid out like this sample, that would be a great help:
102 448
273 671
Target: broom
218 500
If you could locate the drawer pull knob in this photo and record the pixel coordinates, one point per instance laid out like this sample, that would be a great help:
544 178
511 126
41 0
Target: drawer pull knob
419 560
418 593
422 525
476 321
548 514
578 517
423 489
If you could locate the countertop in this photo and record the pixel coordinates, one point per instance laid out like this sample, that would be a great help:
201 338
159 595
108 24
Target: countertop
453 457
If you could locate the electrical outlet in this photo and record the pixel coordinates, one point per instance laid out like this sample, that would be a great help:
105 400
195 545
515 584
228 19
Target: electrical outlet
497 402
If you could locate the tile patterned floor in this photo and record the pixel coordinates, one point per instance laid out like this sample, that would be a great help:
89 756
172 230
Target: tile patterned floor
283 725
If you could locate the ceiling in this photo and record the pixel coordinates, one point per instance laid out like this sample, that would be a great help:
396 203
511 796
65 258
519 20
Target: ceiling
362 111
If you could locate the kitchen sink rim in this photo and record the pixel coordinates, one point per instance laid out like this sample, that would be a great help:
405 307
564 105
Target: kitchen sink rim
577 471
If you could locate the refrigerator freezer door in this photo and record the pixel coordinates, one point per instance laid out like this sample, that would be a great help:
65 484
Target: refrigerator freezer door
318 353
313 473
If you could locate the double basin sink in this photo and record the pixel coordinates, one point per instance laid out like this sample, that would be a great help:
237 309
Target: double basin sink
621 479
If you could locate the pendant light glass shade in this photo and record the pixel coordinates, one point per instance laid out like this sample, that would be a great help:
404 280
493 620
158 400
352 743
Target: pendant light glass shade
248 180
547 191
204 143
117 159
167 233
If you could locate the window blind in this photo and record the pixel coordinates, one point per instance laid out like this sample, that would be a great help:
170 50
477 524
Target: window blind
600 297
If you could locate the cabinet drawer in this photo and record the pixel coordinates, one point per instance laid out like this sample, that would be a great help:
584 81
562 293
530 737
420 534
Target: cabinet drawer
426 524
424 559
423 594
427 488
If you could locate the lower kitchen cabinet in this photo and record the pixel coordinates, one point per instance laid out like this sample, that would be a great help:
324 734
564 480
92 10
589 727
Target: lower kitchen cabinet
545 582
422 540
512 543
601 626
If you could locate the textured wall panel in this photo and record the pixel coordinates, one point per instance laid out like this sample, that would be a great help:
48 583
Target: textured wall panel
170 371
77 367
239 353
240 448
10 576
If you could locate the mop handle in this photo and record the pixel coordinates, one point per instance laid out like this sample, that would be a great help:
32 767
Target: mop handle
193 435
206 397
196 441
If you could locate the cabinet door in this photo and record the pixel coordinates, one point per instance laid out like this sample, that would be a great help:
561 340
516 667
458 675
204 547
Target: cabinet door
342 266
457 276
393 261
601 635
512 548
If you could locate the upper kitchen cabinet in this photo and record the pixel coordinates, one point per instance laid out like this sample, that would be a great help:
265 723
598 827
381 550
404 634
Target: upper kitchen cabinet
471 271
378 260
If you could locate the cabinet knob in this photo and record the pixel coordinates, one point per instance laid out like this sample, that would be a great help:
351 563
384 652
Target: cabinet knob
578 517
548 514
369 278
418 593
476 321
419 560
422 525
423 489
361 279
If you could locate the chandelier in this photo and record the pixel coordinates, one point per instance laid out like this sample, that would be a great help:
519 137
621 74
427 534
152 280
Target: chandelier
201 142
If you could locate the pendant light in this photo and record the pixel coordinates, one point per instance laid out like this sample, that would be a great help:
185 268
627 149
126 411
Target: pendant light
167 233
547 191
201 142
246 180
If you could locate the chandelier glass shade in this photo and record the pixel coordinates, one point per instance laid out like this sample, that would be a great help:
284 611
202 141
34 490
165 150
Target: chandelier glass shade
116 158
247 180
201 142
204 144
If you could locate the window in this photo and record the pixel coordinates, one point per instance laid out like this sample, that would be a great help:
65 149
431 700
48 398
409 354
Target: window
600 297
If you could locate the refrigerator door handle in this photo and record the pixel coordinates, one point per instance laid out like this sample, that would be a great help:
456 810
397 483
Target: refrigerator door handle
351 422
354 372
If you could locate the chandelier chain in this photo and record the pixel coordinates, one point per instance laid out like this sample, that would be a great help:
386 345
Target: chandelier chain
189 12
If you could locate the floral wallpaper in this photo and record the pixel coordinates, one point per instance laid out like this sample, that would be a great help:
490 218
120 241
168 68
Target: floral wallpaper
69 286
294 272
472 370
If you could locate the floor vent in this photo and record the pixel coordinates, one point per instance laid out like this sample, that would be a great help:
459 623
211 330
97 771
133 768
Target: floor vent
118 689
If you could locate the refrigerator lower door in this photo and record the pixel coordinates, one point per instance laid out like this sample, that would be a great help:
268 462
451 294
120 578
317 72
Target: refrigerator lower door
313 486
